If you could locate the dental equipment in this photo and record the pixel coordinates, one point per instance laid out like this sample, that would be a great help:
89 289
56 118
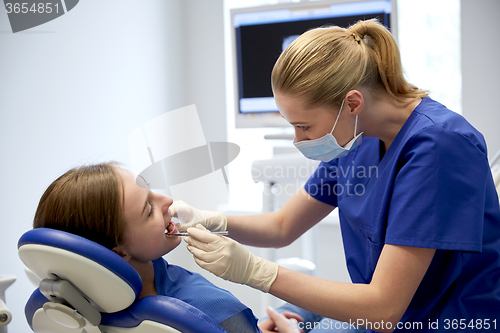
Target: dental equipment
5 315
86 287
186 234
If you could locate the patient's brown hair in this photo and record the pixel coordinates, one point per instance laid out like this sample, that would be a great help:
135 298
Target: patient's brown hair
85 201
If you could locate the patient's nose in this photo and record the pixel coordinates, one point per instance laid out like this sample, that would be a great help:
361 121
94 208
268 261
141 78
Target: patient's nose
166 203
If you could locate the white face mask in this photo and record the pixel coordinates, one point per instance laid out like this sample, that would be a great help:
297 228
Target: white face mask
326 148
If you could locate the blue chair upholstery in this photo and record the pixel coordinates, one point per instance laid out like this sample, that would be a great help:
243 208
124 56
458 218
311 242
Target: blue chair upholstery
107 282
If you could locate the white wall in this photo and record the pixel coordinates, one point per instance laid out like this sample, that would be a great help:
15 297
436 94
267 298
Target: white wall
73 89
204 70
481 68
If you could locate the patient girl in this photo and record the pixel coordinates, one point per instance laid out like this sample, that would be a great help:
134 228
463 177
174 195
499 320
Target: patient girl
111 206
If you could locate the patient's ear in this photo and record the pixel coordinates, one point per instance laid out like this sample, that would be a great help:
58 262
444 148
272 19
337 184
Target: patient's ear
121 252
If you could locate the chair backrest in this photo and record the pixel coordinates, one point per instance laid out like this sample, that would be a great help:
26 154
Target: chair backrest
495 171
85 286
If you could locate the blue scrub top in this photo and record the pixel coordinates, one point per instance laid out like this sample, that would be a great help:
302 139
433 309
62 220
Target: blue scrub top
194 289
432 189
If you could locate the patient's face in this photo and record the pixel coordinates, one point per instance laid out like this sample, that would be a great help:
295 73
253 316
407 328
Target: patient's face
147 220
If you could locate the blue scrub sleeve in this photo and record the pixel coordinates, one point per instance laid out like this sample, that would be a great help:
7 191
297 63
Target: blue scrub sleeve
322 185
438 196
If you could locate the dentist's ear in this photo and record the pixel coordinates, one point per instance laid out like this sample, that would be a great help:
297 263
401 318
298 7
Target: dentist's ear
355 101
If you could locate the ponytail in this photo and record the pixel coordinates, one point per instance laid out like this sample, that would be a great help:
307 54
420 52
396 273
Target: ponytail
379 43
323 64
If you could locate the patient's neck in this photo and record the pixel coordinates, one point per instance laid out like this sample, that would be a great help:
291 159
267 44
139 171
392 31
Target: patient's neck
147 273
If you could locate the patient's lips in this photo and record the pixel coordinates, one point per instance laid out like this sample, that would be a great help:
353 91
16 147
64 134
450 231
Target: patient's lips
171 228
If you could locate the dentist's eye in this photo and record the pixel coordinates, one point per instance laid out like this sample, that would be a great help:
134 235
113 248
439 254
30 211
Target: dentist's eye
304 128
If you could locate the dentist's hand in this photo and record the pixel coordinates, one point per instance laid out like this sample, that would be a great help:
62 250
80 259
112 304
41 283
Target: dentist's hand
190 217
229 260
286 322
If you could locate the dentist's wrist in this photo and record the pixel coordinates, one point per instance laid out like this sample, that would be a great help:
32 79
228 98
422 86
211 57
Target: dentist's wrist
264 274
221 223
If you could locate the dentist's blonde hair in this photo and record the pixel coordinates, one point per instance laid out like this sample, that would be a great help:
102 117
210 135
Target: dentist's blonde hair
324 64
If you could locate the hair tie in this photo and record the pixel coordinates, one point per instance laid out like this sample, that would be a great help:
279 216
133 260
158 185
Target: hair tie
356 38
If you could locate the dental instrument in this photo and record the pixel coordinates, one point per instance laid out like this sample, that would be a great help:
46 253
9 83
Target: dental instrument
186 234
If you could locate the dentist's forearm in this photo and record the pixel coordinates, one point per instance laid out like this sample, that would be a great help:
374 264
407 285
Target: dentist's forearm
346 302
399 272
257 230
281 228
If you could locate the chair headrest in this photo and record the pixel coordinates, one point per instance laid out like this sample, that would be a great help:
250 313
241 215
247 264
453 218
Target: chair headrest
103 277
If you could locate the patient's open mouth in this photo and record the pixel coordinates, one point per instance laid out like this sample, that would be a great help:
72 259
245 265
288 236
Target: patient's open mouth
171 228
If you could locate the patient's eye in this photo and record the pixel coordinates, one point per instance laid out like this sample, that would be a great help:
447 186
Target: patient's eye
151 210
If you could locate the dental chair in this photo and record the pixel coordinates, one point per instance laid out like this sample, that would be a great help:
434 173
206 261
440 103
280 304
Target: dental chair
495 171
86 287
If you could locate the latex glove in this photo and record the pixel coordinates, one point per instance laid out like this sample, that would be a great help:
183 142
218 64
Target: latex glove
190 217
229 260
286 322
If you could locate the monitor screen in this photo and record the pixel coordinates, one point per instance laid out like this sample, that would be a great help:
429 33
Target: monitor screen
260 34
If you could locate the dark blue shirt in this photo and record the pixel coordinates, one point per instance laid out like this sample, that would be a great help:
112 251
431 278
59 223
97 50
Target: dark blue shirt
432 189
194 289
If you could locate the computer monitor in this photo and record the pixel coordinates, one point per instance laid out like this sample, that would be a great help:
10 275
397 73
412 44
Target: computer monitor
260 34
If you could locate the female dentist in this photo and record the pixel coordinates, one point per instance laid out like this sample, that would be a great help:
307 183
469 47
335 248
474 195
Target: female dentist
419 214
